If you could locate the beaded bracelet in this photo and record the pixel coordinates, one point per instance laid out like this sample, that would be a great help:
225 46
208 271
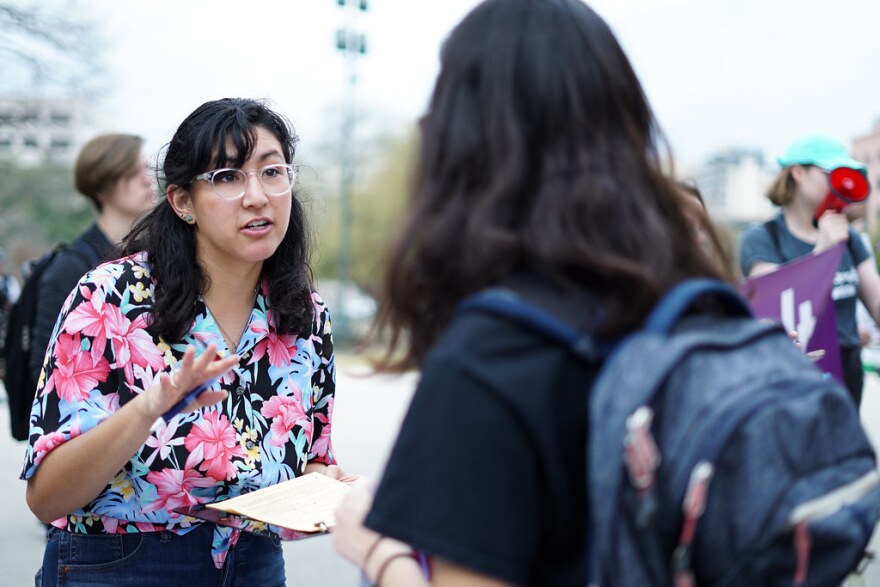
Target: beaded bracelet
386 563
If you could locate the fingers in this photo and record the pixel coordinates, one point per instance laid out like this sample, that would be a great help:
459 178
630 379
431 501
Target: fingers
194 370
835 225
355 505
209 398
336 472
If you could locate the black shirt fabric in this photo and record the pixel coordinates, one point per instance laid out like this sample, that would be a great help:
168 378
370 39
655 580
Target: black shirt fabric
489 469
59 280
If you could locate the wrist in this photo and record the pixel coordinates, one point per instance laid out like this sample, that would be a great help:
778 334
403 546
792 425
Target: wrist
381 555
140 405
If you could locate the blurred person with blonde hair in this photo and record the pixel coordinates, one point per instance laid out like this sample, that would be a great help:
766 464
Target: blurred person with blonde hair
112 173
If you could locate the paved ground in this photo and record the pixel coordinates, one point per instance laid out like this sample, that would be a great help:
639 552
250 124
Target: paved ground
368 412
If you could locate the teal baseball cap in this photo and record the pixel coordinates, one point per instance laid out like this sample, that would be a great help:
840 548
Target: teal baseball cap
820 150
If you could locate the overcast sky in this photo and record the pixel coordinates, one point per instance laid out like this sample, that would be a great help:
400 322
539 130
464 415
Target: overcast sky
719 73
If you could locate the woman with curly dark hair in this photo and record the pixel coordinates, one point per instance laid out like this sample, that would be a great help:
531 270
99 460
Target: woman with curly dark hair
540 170
220 266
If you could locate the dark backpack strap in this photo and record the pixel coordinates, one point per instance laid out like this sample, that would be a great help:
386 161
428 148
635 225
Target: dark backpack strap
773 231
506 303
677 301
86 252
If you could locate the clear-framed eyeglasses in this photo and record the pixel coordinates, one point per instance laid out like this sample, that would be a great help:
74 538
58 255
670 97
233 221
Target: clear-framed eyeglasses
230 184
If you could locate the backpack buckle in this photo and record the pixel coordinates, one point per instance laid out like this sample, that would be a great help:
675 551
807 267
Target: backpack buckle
693 507
642 459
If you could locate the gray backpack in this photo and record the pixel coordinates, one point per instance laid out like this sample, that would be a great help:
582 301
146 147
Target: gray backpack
717 453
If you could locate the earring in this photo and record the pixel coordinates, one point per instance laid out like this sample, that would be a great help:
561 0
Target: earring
187 218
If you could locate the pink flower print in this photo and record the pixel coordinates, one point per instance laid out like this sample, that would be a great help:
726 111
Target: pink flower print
134 345
285 413
163 441
110 524
88 318
318 306
285 534
75 375
213 443
174 486
322 448
282 348
44 444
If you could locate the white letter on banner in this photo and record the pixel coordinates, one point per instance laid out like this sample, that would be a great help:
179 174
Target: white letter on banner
786 311
806 321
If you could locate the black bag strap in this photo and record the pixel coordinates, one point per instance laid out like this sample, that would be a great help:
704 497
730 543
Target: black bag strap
506 303
773 230
86 252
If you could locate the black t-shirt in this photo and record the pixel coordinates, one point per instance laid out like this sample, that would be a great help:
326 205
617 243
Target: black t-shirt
489 470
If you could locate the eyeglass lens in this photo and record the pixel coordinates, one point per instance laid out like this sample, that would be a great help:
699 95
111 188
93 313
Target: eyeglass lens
231 183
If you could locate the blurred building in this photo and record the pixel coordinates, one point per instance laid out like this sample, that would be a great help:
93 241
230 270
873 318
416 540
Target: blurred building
35 130
867 150
733 182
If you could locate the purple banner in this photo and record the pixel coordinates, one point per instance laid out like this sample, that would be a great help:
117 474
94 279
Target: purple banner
798 294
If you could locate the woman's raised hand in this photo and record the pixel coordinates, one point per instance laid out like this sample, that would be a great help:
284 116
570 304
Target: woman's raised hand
833 229
168 388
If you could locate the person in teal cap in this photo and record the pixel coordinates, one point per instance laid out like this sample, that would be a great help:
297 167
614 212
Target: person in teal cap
799 189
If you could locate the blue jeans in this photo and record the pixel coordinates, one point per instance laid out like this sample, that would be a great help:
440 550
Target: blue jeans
158 559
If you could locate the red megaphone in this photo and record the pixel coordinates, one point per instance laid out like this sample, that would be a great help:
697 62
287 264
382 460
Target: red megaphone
845 186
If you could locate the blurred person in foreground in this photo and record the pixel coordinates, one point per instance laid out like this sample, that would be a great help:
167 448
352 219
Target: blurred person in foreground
112 173
539 170
221 265
798 189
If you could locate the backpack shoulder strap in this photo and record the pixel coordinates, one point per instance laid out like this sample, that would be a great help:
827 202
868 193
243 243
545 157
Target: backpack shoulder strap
676 302
506 303
85 251
773 230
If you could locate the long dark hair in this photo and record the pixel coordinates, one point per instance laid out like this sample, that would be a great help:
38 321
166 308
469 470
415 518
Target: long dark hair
539 153
203 142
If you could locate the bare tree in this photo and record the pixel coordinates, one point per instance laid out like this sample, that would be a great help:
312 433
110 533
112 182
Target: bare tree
46 45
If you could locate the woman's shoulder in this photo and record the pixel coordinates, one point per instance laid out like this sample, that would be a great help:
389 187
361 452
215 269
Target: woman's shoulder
134 267
763 235
126 274
496 345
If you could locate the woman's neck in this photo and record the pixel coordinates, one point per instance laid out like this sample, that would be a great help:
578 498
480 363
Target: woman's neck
230 287
230 299
114 226
799 220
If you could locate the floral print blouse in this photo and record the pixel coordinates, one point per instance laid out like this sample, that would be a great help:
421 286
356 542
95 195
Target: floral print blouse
275 420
